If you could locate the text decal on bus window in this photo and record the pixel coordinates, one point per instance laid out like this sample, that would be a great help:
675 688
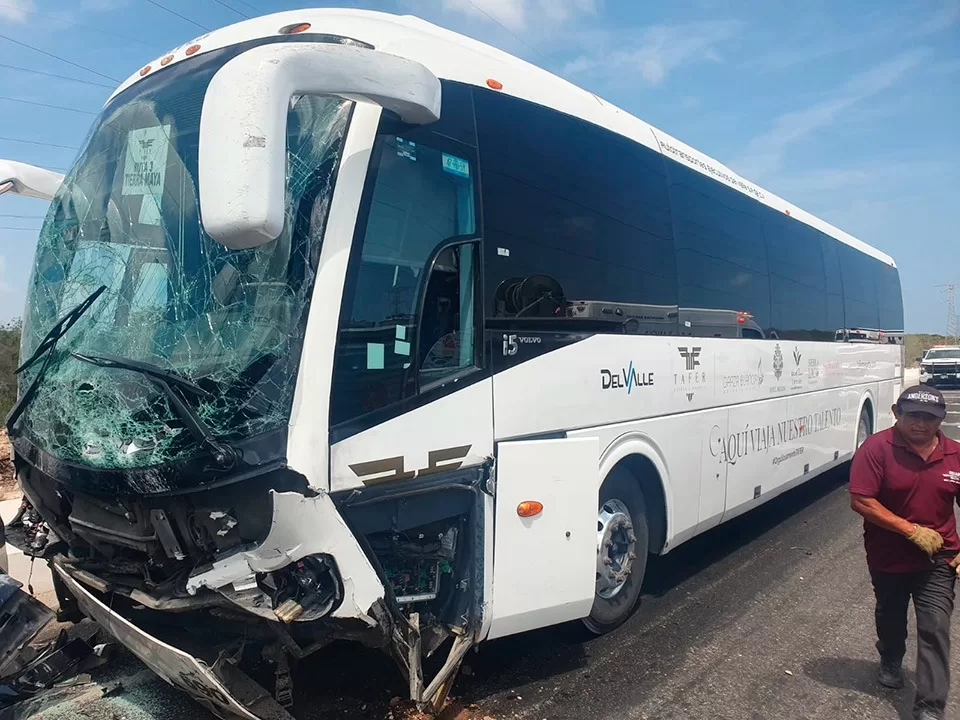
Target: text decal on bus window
145 169
145 164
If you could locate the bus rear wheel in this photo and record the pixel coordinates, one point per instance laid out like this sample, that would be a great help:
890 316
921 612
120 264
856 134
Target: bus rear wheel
864 428
622 547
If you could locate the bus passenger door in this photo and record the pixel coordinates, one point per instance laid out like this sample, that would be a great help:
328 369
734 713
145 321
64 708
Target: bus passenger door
545 560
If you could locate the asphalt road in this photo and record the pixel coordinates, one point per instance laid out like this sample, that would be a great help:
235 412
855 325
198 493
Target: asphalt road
770 616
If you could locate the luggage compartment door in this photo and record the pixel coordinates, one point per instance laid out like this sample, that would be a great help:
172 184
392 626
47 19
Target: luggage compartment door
544 567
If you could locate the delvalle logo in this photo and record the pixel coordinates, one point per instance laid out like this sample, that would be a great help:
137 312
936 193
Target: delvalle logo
627 378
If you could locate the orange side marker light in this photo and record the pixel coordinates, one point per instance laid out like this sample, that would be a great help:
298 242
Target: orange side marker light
529 508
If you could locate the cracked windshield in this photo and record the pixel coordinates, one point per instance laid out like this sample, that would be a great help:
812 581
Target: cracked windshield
220 327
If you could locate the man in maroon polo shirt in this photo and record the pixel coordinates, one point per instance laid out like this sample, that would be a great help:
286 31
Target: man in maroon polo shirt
904 482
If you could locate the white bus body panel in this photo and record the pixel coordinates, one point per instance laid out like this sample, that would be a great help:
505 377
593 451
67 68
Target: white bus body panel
544 567
461 422
749 413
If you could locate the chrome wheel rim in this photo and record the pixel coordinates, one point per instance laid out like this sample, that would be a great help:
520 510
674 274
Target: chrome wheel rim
616 548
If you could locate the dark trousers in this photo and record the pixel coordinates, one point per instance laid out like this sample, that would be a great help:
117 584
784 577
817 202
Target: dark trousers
932 592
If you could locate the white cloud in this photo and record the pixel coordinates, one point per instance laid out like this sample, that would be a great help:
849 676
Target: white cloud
660 50
764 153
947 15
516 15
16 10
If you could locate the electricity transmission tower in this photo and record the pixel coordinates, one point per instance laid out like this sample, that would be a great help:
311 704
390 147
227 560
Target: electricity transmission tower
953 320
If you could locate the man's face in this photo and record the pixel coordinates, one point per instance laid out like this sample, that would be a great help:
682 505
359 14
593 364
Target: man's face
918 428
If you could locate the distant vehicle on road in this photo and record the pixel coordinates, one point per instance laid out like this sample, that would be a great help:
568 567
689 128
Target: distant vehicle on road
941 366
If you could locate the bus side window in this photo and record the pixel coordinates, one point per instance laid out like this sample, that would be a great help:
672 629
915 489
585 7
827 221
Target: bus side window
407 316
447 343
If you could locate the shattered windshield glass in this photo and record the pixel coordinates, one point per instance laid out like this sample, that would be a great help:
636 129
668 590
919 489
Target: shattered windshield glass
228 321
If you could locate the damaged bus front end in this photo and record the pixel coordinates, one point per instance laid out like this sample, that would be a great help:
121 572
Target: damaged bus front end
174 291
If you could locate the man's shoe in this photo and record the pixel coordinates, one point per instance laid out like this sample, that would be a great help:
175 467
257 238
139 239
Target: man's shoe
891 676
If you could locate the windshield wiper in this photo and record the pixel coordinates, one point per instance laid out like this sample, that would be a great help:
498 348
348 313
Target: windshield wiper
45 350
166 380
154 371
60 328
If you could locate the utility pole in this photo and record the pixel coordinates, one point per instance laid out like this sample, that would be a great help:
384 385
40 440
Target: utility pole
953 321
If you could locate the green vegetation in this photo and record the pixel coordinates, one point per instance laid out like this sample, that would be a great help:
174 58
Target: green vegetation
914 345
9 355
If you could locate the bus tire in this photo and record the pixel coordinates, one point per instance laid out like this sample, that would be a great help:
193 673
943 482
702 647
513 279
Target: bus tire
864 426
623 541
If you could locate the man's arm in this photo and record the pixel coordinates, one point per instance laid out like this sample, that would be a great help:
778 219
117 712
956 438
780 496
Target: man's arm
873 512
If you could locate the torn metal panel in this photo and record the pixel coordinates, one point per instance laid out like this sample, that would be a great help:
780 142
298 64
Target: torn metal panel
21 618
223 690
303 526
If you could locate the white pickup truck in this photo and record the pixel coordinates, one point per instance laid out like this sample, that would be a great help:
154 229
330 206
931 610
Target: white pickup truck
941 366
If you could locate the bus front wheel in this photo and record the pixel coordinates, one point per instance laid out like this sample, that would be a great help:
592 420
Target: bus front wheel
622 546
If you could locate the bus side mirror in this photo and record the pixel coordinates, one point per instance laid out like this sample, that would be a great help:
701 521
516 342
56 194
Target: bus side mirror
242 159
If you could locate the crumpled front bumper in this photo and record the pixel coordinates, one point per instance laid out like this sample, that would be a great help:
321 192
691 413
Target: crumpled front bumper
221 688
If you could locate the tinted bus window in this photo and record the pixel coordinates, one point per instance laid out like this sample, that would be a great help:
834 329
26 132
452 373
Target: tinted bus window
720 243
571 201
889 297
797 280
834 283
859 288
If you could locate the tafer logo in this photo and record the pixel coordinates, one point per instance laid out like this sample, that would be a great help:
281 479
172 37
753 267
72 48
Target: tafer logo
692 379
627 377
777 362
690 356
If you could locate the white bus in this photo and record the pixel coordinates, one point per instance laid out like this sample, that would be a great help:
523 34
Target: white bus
346 326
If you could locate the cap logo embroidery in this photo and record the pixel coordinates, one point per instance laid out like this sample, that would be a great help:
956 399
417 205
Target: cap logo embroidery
923 397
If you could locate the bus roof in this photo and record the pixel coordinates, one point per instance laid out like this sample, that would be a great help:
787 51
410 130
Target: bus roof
452 56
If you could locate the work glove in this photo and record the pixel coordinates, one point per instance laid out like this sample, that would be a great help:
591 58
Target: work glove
926 539
955 564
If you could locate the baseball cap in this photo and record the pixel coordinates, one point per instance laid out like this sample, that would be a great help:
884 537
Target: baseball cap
923 398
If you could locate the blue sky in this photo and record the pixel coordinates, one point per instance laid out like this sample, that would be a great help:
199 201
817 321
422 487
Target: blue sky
849 110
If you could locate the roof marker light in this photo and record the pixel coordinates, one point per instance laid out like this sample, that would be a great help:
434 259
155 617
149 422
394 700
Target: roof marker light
494 84
787 211
192 49
166 60
294 29
144 71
